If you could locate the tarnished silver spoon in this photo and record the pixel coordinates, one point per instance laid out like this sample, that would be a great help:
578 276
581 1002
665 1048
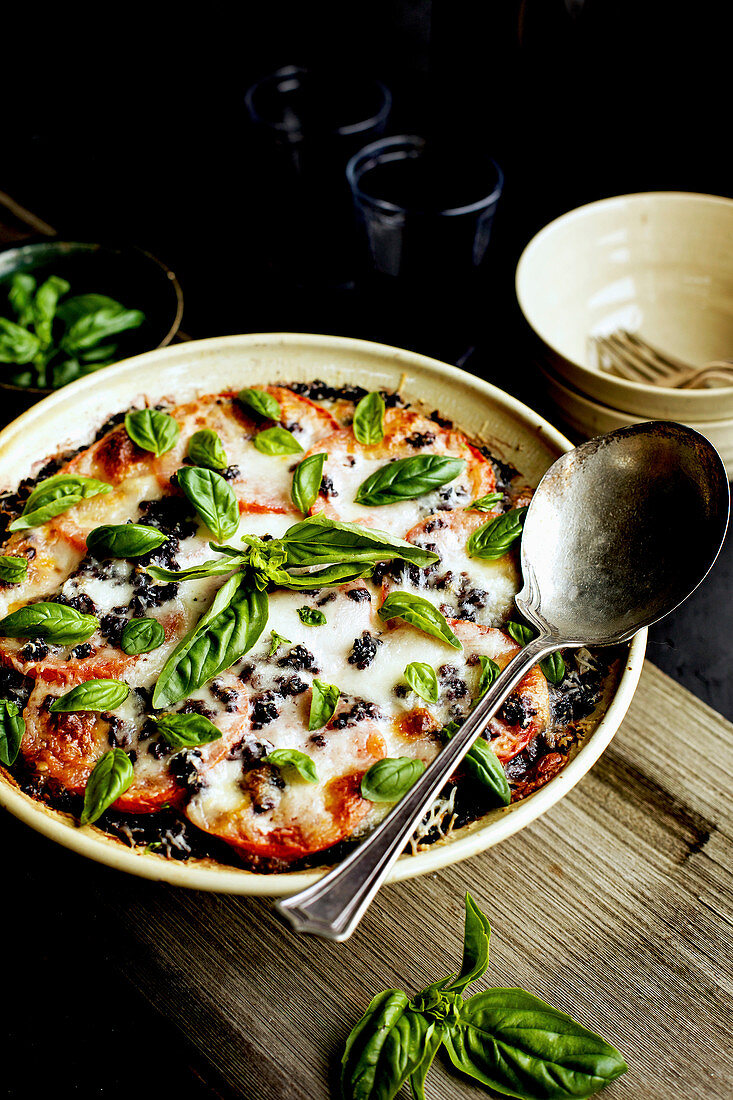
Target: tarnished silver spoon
619 532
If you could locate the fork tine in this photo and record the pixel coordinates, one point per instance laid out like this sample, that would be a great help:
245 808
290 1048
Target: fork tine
625 363
663 363
639 354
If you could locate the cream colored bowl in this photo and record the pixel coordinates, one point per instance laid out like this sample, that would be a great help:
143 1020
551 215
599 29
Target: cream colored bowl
660 264
518 435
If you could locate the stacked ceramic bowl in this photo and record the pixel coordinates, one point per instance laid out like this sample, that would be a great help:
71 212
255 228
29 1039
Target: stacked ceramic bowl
659 265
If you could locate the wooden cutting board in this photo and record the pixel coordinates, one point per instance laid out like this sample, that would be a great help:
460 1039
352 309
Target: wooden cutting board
616 906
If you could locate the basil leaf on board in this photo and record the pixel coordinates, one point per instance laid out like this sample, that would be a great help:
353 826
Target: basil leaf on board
319 540
518 1045
20 296
292 758
17 344
206 449
152 430
12 728
186 731
141 636
276 640
408 478
44 307
324 699
213 499
92 328
484 765
277 441
53 621
13 569
310 616
111 776
263 403
423 680
369 419
55 495
485 504
307 482
493 539
223 634
92 695
386 1047
489 671
432 1045
420 613
390 778
124 540
476 938
553 666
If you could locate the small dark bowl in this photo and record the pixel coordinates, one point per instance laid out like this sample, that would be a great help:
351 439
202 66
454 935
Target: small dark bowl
130 275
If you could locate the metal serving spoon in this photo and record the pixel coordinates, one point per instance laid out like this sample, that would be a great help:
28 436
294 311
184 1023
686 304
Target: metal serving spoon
619 532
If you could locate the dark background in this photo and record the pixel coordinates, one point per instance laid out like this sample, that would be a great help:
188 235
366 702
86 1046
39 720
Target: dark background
128 124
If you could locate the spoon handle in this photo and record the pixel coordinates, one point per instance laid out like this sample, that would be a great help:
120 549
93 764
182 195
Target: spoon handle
333 907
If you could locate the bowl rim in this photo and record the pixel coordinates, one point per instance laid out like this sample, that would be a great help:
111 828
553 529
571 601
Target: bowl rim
586 210
90 842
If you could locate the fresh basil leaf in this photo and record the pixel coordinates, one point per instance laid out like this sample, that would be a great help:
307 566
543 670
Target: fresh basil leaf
186 731
102 353
423 681
111 776
385 1048
71 309
206 449
420 613
13 569
520 633
44 307
310 616
92 328
476 937
319 540
489 671
520 1046
67 371
92 695
20 296
390 778
324 699
432 1045
141 636
53 621
307 482
17 344
277 441
408 478
485 504
223 634
217 567
291 758
276 640
494 538
213 499
324 578
152 430
369 419
12 728
484 765
553 667
263 403
55 495
124 540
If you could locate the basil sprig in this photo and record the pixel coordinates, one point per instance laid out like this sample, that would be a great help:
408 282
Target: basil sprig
319 540
420 613
485 504
390 778
223 634
12 728
124 540
13 569
553 666
92 695
422 679
186 731
310 616
307 482
55 495
507 1039
277 441
261 402
369 419
408 478
324 699
152 430
493 539
292 758
141 636
55 622
206 449
213 499
111 776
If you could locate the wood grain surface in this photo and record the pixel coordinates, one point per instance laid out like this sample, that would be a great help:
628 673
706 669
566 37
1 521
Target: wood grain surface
616 906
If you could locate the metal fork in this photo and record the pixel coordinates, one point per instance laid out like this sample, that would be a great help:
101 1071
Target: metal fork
629 356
